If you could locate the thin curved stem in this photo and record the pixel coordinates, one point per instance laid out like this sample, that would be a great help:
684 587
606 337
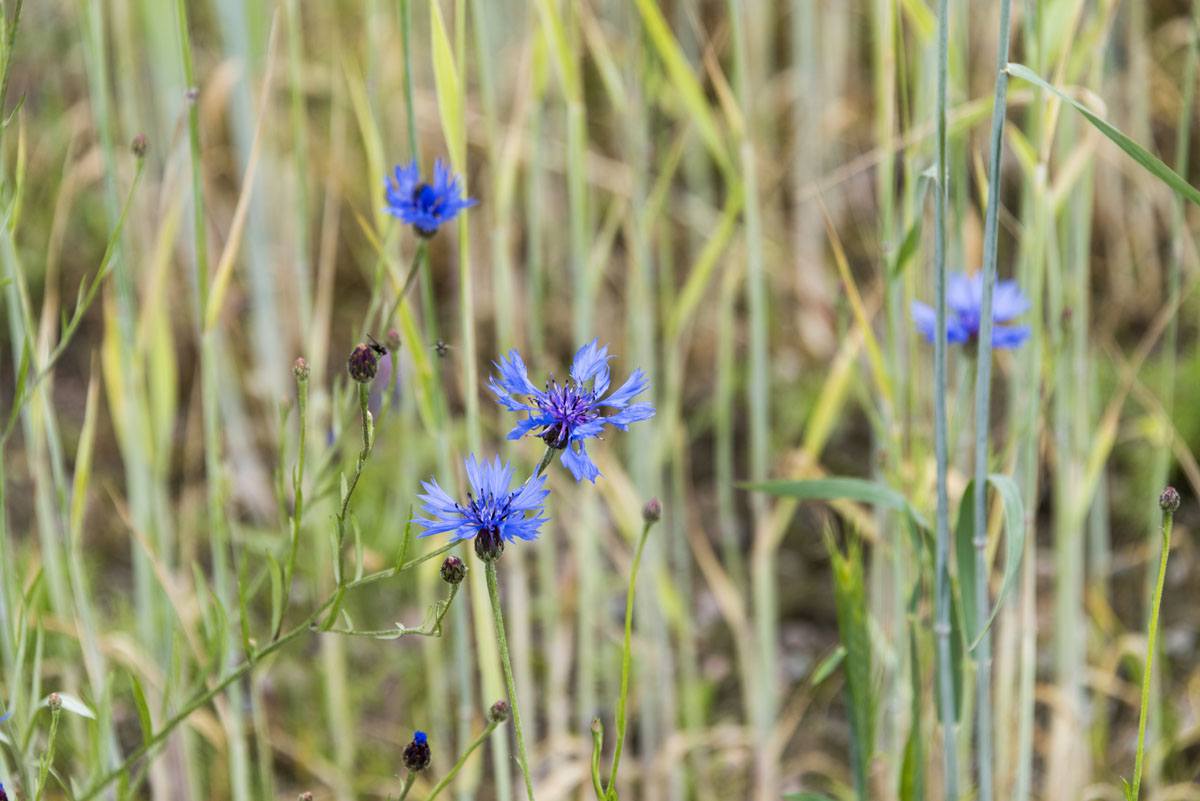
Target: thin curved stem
1151 646
983 385
942 576
626 661
462 760
510 683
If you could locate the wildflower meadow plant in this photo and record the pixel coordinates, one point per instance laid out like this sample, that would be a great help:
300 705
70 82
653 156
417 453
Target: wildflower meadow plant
964 297
566 415
425 206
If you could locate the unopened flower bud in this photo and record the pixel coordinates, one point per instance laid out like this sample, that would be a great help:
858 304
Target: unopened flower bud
139 145
54 702
1169 500
652 511
300 369
499 711
363 363
454 570
489 545
392 340
417 754
193 94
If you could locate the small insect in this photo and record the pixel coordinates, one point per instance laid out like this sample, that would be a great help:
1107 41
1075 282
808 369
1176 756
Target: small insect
375 346
442 348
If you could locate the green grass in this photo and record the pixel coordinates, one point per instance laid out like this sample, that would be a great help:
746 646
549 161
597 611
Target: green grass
211 562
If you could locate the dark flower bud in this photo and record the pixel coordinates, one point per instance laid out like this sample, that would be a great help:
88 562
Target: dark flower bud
489 544
363 363
499 711
54 702
392 340
652 511
454 570
417 753
139 145
1169 500
300 369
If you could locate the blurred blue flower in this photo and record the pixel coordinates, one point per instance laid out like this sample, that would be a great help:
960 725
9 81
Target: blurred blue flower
425 206
493 513
568 414
964 299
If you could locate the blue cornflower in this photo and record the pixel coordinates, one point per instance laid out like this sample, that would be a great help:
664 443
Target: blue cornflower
964 297
493 513
570 413
425 206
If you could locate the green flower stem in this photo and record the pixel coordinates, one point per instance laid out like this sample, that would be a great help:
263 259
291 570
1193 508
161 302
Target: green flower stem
597 747
546 460
506 662
408 783
626 660
983 374
368 442
298 508
1151 646
48 757
942 575
462 760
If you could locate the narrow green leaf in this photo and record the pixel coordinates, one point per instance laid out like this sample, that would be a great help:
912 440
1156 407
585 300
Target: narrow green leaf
276 574
683 79
828 665
445 78
850 597
1148 160
964 551
1014 543
833 489
143 709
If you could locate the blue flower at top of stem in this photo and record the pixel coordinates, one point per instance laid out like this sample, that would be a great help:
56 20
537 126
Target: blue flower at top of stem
964 301
492 510
566 415
425 206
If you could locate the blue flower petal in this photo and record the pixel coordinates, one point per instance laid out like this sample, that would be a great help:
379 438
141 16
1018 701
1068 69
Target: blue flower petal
576 459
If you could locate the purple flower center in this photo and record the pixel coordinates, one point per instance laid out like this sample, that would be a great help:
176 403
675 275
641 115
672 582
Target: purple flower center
570 406
487 510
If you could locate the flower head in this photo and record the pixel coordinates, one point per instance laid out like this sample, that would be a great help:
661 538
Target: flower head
566 415
417 753
964 299
425 206
493 513
363 363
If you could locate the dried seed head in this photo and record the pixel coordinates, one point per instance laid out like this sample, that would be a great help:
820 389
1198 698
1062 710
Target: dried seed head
363 363
454 570
499 711
1169 500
